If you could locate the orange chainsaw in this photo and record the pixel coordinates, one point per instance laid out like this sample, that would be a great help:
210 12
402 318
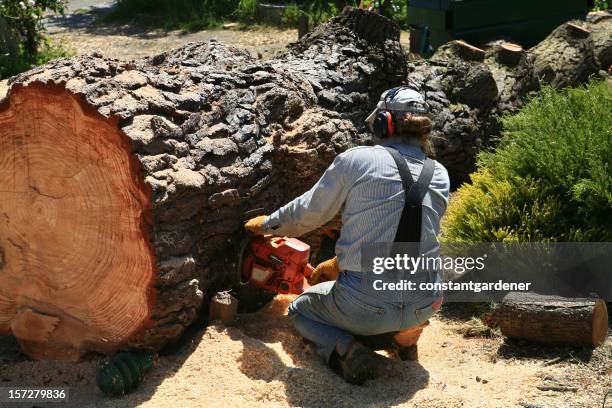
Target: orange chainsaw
277 264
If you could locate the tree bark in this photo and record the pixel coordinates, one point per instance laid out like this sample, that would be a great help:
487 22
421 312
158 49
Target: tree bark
601 28
553 320
124 184
567 56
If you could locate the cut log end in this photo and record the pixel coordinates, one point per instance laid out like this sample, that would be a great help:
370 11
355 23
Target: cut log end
460 49
77 268
578 31
510 54
600 323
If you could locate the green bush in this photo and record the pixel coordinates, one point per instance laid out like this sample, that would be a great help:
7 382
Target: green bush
600 5
23 21
48 51
199 14
247 10
291 15
549 178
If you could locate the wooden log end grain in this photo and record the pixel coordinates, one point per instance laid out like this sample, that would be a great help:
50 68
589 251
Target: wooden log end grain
510 54
77 264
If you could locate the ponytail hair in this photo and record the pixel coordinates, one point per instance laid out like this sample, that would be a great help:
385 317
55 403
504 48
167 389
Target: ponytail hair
411 126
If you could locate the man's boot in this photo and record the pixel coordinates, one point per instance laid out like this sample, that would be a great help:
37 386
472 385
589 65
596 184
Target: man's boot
405 342
358 365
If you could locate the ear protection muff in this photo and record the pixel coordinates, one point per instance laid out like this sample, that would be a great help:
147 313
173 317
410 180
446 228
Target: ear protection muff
383 125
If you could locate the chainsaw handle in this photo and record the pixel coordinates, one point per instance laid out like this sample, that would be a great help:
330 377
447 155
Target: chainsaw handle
308 269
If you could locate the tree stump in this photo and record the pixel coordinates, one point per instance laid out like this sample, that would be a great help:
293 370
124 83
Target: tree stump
510 54
123 184
553 320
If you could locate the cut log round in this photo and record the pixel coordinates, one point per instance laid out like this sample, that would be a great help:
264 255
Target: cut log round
553 320
75 244
578 31
127 181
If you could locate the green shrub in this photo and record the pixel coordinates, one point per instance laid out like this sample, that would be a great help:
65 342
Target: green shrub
549 178
600 5
247 10
291 15
188 15
48 51
23 20
199 14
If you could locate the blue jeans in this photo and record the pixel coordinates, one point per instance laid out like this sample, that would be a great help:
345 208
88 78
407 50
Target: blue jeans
330 313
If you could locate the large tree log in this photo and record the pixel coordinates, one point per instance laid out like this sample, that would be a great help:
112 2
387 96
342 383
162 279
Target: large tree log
553 319
567 56
462 93
124 184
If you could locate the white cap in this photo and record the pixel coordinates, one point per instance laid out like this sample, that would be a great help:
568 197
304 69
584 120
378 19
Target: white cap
400 99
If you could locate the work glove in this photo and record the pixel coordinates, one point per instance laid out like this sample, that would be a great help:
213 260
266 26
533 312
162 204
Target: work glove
255 225
325 271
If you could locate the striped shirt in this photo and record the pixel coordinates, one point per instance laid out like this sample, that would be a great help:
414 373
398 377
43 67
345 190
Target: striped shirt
365 183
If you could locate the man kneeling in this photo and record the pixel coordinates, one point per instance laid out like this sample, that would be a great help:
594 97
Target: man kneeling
381 203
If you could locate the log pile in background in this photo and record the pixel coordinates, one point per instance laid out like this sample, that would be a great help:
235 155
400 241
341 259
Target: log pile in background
140 171
470 89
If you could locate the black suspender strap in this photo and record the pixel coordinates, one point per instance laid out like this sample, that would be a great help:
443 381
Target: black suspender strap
409 229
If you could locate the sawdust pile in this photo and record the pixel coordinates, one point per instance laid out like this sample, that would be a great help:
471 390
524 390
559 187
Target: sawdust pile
263 362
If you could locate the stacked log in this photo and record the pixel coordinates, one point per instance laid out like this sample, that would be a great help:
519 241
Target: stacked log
458 132
470 89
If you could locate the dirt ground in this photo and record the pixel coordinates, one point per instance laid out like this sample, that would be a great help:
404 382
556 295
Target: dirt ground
80 35
82 31
263 362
